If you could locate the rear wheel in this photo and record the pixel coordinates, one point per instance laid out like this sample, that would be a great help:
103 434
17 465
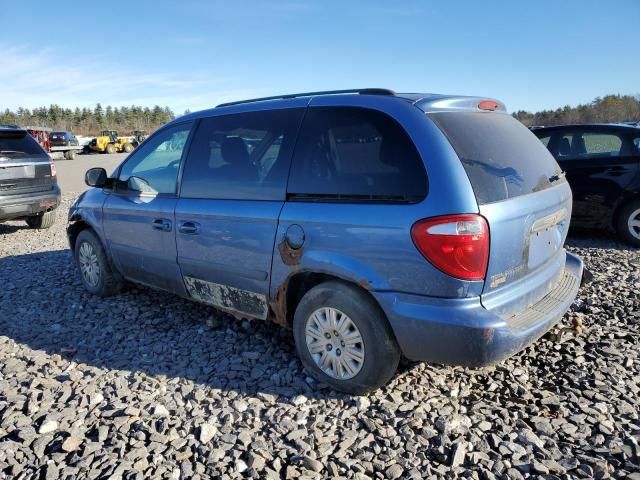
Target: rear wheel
343 338
96 273
628 223
111 148
40 222
128 147
70 154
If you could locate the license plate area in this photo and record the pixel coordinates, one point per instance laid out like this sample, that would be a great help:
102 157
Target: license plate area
19 172
545 239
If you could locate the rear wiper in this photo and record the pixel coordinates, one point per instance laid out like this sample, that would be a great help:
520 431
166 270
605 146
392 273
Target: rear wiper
557 176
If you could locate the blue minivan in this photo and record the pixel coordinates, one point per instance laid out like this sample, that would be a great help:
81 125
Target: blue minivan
373 224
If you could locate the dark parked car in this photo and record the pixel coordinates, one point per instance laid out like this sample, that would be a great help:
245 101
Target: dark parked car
601 162
374 224
28 186
63 139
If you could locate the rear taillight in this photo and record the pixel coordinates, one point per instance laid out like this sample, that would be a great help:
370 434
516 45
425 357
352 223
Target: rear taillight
456 244
53 169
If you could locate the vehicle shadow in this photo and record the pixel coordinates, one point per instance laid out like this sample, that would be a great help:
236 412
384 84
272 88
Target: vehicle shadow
11 228
44 306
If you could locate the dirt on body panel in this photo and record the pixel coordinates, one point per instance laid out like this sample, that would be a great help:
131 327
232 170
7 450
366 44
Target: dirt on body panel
228 298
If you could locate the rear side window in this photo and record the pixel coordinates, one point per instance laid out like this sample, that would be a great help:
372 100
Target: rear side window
545 140
15 144
502 158
581 145
355 154
244 156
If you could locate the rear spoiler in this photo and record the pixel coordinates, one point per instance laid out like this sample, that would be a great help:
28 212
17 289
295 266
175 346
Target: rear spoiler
447 102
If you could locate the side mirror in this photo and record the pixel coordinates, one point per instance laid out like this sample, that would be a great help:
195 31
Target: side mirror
96 177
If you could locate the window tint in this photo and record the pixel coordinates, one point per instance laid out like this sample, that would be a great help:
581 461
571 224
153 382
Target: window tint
244 156
503 158
577 145
560 145
545 140
157 161
599 144
18 144
346 153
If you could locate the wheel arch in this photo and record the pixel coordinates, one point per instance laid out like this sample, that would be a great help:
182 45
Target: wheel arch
296 285
632 197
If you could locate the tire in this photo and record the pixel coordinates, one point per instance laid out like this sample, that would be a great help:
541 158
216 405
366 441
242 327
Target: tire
110 148
628 223
378 347
90 254
70 154
128 148
40 222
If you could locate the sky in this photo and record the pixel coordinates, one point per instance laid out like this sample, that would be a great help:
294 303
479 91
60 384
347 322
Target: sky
194 54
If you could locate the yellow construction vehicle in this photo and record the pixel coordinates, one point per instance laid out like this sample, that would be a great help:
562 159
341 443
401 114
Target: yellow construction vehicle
109 142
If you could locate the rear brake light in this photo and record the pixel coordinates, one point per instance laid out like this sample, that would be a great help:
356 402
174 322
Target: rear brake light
456 244
53 169
488 105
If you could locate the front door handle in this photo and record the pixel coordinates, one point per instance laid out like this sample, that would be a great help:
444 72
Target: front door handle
162 224
190 228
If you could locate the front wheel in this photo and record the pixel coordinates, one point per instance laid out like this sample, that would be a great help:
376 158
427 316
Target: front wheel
628 223
96 273
128 148
343 338
111 148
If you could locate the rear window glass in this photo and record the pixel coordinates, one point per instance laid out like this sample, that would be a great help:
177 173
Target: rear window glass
355 154
17 144
502 158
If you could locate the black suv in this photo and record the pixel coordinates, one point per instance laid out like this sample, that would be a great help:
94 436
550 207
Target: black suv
63 139
601 162
28 186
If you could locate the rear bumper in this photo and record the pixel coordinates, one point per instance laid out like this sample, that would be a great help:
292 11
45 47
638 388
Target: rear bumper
18 206
463 332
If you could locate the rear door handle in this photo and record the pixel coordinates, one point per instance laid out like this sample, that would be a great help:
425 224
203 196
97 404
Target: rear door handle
162 224
189 228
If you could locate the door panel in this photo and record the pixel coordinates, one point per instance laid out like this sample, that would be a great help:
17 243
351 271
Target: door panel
141 238
227 262
599 167
139 221
232 191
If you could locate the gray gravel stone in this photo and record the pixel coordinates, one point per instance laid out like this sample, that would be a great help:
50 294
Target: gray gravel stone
139 386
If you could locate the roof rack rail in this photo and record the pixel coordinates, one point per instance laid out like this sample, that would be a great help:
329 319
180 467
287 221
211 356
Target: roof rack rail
361 91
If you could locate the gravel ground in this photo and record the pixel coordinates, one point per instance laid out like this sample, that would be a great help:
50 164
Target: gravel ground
149 385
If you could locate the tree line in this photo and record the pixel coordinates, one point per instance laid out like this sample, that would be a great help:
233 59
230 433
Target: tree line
90 122
610 108
86 121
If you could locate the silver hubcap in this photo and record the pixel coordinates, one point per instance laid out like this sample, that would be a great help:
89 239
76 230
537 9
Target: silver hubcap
335 343
89 264
634 223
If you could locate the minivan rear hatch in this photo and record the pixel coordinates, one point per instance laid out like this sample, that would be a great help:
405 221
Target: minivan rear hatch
522 193
24 165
